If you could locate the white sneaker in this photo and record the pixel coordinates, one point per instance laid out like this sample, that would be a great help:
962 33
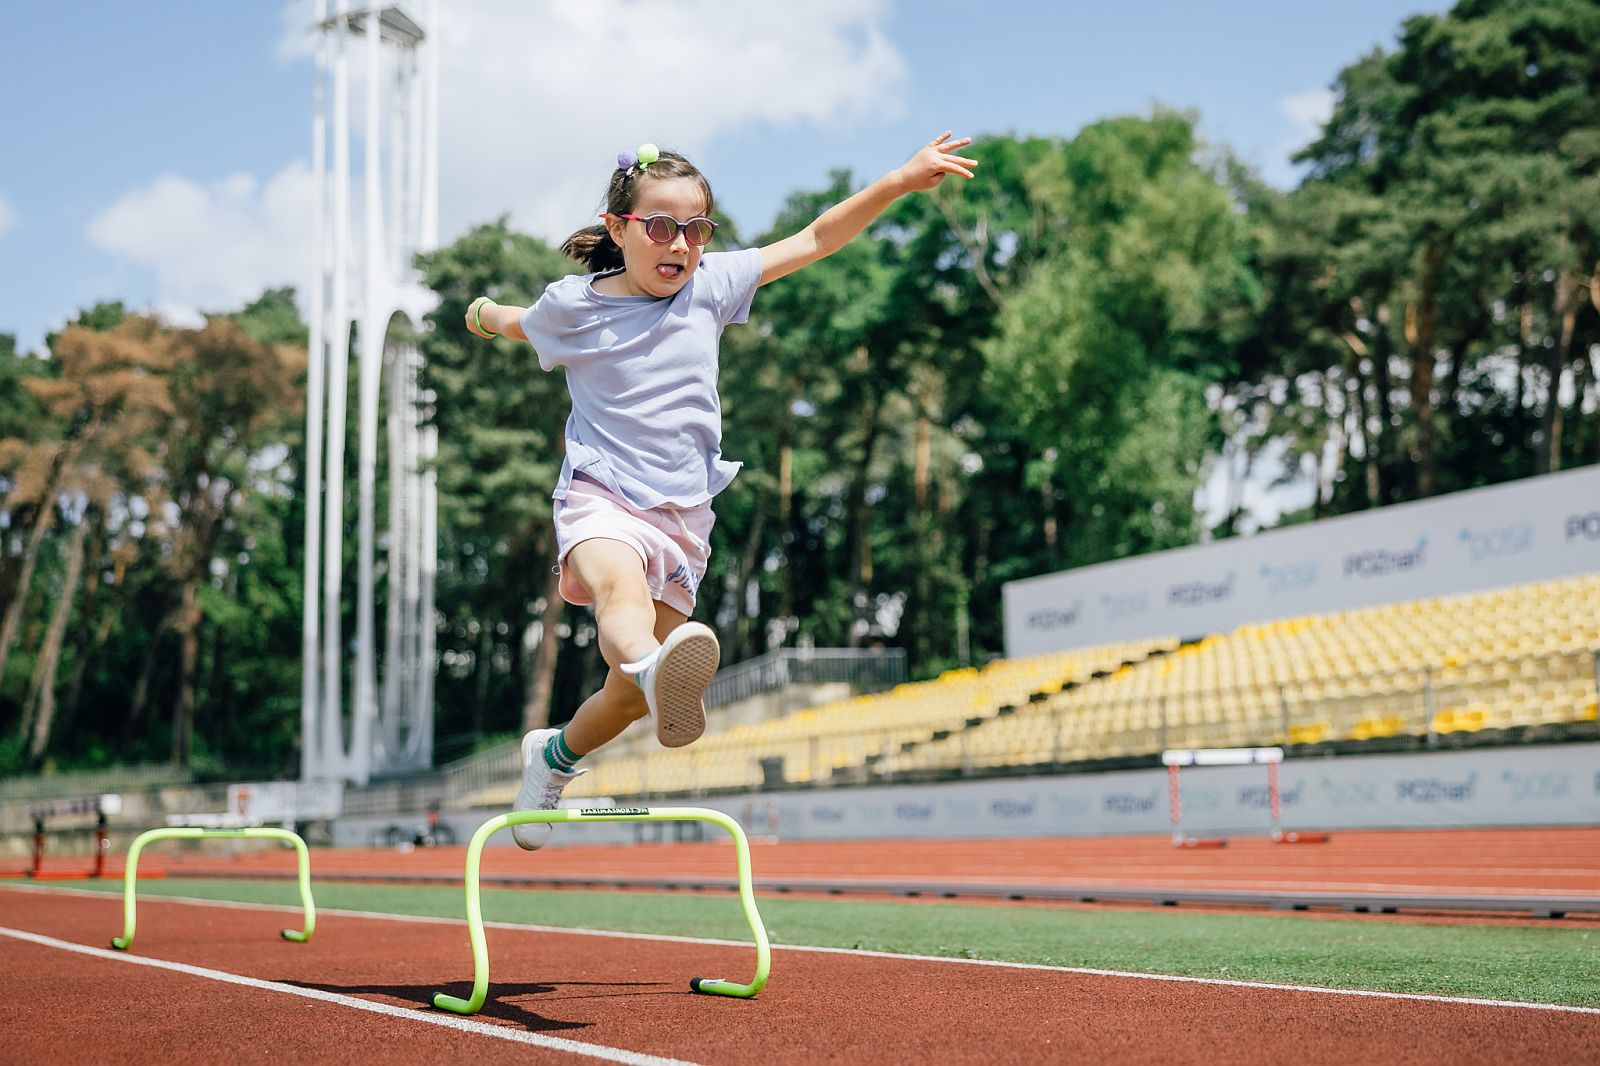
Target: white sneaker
541 789
674 683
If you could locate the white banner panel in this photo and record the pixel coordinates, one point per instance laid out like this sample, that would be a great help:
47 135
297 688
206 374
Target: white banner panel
1530 530
285 801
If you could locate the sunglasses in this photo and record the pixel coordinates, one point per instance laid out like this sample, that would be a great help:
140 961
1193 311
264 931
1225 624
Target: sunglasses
663 228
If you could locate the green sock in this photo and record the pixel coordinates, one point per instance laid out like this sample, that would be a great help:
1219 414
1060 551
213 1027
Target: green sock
558 756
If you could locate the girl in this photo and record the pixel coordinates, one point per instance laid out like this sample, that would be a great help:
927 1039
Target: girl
638 338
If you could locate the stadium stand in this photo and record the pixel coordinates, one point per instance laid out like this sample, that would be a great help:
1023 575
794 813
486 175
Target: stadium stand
844 740
1513 663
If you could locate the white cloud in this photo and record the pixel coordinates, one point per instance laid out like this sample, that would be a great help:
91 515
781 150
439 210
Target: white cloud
8 217
1309 111
216 246
1306 114
536 100
298 18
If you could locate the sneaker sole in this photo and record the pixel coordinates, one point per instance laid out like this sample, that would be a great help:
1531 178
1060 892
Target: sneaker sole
686 668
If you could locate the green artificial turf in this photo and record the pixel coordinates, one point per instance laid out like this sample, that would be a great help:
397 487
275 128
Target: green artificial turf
1543 964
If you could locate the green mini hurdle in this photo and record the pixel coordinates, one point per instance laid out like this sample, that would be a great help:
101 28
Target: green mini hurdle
712 985
130 876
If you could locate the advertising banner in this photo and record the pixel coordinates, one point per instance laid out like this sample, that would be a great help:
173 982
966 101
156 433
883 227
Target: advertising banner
1530 530
284 802
1518 786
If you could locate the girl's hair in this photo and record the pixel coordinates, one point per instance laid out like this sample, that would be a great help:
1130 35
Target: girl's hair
593 245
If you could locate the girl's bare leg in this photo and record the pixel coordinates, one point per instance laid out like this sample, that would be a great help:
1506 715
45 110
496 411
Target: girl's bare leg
631 625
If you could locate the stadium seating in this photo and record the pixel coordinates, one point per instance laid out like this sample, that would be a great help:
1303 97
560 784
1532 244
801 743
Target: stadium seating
854 737
1490 665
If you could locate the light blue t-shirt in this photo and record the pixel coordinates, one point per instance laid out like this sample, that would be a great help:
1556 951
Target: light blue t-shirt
646 420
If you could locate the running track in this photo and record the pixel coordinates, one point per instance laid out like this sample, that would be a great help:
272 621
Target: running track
229 989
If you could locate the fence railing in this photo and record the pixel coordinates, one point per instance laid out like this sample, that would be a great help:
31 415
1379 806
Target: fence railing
864 669
80 783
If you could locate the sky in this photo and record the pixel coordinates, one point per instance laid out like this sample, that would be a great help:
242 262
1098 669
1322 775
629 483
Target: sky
159 153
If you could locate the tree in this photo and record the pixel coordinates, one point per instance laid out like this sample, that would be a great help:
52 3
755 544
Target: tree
109 397
1469 156
232 401
1104 351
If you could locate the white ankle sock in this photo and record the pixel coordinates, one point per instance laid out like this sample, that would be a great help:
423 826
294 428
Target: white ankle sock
637 670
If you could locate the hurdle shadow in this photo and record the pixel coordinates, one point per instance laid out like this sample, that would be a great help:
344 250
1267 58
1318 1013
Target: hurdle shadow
497 1005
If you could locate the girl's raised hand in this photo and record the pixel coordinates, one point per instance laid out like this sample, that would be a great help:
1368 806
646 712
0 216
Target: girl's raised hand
936 159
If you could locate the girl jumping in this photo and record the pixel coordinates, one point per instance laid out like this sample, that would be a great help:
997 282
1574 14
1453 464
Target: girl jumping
638 336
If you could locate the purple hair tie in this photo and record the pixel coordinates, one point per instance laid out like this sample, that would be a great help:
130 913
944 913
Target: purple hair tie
647 154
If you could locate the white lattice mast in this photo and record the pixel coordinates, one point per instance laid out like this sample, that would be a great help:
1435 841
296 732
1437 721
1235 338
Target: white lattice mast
370 286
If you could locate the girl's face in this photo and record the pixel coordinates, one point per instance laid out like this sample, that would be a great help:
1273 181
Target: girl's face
659 269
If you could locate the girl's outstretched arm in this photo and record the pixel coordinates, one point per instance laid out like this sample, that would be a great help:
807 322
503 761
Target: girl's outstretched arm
485 318
839 224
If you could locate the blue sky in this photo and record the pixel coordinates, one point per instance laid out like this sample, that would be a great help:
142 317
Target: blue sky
161 157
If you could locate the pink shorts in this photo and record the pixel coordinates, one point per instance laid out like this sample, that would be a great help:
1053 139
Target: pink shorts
672 543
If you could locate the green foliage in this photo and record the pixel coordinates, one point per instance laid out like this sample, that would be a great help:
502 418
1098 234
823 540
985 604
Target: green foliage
1436 268
1105 350
272 318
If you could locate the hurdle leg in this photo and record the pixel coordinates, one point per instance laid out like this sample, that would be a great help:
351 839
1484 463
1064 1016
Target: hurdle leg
716 985
130 875
480 949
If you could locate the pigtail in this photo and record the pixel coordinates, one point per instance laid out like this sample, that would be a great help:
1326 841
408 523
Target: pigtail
593 247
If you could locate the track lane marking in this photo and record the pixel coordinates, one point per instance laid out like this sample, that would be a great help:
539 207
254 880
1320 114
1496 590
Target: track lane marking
447 1021
1363 993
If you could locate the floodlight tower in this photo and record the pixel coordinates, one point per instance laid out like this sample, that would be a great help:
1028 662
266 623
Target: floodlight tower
364 282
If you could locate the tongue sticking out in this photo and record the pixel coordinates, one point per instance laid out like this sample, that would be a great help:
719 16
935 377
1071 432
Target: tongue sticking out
670 271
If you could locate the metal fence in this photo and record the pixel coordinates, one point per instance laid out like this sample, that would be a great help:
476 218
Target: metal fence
863 669
92 782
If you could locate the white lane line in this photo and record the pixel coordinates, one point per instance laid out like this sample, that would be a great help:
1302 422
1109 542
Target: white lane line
1560 1008
447 1021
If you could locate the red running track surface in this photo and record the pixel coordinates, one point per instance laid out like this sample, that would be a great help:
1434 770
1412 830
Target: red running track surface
630 995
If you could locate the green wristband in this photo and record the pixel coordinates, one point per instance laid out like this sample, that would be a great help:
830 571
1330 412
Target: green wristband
477 319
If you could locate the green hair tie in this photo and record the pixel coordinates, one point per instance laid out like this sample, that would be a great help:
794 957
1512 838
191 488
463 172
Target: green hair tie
648 153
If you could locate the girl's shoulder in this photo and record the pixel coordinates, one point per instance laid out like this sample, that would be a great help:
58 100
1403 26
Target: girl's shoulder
571 284
571 292
731 261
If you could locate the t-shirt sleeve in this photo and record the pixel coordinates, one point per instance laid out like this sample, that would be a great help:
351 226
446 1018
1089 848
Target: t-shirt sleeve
541 332
738 276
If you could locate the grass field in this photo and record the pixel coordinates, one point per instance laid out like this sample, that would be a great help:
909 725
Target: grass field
1545 962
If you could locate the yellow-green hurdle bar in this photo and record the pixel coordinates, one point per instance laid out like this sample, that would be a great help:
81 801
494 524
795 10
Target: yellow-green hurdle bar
130 876
480 949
